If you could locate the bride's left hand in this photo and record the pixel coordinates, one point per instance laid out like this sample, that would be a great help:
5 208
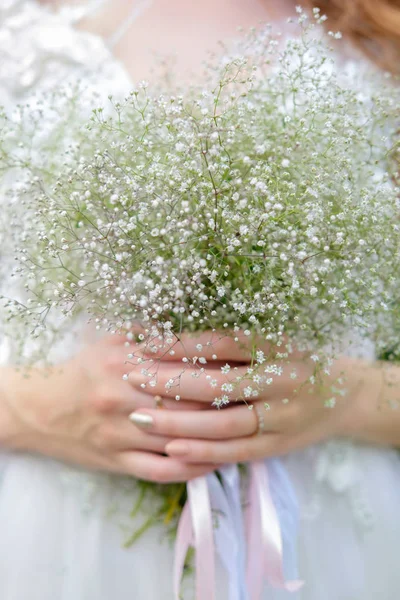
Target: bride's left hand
291 420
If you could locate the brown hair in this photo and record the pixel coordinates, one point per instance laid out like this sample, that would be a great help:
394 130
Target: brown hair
372 25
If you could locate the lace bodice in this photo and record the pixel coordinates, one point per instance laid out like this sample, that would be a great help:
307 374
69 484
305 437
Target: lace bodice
40 49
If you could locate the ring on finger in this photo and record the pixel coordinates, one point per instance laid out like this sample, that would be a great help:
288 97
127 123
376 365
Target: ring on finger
158 402
260 413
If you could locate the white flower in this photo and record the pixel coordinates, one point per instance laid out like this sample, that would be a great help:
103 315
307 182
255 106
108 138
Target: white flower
227 387
260 357
331 403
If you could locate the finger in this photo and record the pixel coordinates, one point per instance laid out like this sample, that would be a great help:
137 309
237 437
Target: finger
173 381
190 383
115 359
119 433
118 397
172 404
206 384
230 451
213 346
160 469
240 421
210 345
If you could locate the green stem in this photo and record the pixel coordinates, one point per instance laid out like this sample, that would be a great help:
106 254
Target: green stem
139 532
138 502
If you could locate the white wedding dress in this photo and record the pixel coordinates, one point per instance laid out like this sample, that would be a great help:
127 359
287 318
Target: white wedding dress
62 529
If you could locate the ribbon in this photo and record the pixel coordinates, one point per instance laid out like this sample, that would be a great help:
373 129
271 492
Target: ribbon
231 484
228 544
271 526
265 549
196 528
286 505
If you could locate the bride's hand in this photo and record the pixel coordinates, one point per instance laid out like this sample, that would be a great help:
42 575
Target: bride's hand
292 420
230 435
79 412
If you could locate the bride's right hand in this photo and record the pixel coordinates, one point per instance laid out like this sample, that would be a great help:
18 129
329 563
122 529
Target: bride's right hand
79 411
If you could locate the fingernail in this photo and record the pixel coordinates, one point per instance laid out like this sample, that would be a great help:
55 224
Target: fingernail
177 448
141 420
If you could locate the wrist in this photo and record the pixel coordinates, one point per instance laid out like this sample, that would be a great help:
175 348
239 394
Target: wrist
11 428
20 401
369 415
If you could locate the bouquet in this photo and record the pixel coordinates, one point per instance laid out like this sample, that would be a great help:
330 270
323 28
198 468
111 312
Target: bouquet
261 204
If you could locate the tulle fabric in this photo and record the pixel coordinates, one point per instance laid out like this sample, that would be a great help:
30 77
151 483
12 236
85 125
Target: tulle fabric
349 497
63 532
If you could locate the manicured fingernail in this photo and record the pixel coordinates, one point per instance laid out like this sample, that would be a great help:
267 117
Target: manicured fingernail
177 448
141 420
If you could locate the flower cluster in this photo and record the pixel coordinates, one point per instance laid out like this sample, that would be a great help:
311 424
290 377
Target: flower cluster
261 205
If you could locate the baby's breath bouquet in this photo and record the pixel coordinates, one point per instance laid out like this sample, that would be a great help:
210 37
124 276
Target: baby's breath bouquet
260 203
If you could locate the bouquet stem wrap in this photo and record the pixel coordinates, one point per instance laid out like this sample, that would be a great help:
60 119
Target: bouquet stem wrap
271 526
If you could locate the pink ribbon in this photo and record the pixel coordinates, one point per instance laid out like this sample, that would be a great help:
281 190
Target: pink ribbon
264 540
265 551
196 528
